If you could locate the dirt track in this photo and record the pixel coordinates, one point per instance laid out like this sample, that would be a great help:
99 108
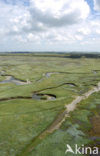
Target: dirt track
60 119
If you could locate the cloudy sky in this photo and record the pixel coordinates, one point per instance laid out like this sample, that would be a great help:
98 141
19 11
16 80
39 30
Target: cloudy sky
50 25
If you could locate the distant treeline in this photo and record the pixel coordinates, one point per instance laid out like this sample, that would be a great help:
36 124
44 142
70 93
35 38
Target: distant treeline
82 55
73 55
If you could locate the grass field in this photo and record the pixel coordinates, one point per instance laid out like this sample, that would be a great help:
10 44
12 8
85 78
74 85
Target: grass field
23 118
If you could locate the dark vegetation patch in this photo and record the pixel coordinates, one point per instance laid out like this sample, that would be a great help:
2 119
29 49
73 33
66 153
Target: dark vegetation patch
72 55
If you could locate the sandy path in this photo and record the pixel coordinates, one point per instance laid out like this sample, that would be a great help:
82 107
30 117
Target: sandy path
60 119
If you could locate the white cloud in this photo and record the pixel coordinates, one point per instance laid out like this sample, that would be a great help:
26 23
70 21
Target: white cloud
62 7
60 23
95 26
97 5
53 13
13 18
98 31
84 30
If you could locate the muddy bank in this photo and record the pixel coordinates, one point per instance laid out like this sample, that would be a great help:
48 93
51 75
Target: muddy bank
33 97
2 72
15 98
48 74
11 79
40 96
94 71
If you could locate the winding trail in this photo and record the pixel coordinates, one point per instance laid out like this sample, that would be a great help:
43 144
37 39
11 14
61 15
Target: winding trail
59 120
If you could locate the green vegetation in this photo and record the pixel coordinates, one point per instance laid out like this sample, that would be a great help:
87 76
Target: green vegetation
22 120
75 130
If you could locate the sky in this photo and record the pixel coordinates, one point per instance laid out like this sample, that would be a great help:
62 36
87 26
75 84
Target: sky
50 25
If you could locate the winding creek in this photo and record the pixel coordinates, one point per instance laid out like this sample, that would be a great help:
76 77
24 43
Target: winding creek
48 75
60 119
37 95
40 96
63 84
11 79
